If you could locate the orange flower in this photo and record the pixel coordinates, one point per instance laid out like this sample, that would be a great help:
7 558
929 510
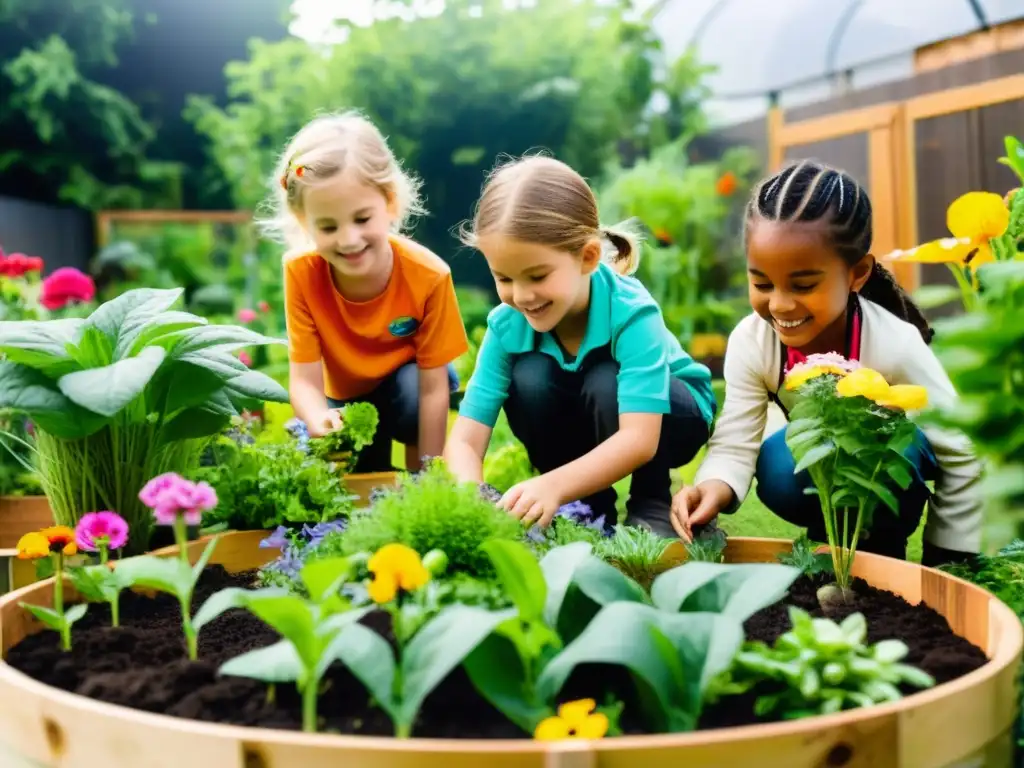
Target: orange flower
726 184
60 539
662 236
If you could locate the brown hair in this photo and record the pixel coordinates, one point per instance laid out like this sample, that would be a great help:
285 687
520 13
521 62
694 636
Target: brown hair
325 147
812 192
542 200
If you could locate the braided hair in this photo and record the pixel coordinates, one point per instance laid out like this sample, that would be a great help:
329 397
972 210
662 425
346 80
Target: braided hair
812 192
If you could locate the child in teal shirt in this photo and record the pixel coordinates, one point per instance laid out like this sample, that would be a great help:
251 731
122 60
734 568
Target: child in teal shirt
592 382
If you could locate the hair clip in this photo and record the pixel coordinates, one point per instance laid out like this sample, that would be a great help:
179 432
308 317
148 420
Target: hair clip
299 170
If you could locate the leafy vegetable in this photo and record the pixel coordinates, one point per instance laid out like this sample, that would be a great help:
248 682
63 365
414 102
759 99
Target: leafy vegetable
804 557
358 426
636 551
821 667
126 394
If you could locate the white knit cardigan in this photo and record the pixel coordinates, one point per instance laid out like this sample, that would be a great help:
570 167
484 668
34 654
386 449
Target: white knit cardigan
892 347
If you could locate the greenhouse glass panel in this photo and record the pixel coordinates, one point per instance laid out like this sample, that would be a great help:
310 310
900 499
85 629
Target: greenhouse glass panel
998 11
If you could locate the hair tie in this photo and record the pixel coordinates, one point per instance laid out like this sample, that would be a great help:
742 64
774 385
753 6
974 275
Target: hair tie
299 170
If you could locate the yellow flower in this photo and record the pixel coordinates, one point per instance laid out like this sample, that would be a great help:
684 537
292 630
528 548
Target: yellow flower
800 375
575 720
394 567
906 397
61 539
973 219
864 382
33 546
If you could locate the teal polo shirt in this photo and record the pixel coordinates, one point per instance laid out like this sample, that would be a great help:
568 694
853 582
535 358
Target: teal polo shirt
622 315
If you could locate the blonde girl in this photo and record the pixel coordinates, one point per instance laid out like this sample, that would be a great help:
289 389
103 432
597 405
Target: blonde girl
578 355
371 315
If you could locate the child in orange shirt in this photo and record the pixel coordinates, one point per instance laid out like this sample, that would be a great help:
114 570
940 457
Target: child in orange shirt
371 315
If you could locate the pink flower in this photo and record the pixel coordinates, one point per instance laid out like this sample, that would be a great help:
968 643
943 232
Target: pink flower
245 358
65 285
263 306
246 315
170 495
97 528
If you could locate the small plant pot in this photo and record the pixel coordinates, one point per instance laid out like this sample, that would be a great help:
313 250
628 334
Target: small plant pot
20 515
362 485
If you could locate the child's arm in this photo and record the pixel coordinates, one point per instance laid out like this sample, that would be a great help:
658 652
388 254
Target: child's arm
434 403
465 449
306 390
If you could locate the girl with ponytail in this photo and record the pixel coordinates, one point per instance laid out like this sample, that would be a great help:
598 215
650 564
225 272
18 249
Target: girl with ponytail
592 382
815 288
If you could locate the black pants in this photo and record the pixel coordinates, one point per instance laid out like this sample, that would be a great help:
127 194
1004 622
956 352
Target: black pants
397 399
560 416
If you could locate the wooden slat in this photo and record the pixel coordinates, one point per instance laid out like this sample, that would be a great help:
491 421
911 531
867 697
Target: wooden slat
966 97
835 126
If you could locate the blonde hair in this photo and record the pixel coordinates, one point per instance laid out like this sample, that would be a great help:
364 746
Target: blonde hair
325 147
541 200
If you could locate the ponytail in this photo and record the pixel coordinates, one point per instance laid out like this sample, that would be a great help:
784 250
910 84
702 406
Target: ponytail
882 289
626 257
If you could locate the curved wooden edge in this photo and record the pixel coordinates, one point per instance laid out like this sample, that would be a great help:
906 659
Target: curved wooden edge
362 485
971 715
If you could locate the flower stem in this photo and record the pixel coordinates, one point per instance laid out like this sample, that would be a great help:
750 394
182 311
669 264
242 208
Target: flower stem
403 730
58 599
103 553
181 538
186 624
309 694
115 611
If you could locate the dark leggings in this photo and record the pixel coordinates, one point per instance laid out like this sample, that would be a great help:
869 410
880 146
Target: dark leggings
397 399
784 493
560 415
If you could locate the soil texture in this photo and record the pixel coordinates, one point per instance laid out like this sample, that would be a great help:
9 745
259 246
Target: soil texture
142 665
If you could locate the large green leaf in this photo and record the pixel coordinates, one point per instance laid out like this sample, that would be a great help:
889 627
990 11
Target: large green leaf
496 671
256 386
166 574
520 576
604 583
559 566
139 333
109 389
193 423
734 589
222 337
183 385
438 648
30 391
42 344
277 663
132 310
370 658
93 349
294 620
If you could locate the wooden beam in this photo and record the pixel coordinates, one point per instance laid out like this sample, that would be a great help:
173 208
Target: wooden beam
968 97
837 125
105 220
776 150
970 47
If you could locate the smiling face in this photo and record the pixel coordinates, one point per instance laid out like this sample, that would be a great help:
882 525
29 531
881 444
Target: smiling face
546 284
349 222
797 283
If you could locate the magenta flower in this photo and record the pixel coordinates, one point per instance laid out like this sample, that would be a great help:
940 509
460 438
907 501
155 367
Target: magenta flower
64 286
170 495
263 306
245 358
246 315
97 530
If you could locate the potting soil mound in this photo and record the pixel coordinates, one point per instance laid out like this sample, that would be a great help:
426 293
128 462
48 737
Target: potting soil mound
142 665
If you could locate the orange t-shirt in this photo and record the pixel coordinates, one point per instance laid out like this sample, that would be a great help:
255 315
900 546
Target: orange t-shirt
360 343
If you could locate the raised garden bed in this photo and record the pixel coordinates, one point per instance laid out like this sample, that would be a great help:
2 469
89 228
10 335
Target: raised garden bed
967 716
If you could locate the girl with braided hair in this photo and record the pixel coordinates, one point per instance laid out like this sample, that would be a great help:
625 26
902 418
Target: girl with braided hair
815 288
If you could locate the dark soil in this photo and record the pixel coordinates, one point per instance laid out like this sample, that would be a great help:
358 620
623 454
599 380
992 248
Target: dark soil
142 665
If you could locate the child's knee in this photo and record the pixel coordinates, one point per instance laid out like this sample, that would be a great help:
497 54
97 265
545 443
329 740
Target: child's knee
600 390
530 380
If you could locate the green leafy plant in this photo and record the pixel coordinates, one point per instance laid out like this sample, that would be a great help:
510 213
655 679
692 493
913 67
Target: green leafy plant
804 557
708 546
342 446
130 392
54 543
983 353
506 465
848 429
820 667
430 511
18 475
674 642
309 629
264 485
636 551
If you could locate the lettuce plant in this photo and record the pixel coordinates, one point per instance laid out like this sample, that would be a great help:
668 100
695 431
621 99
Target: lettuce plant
820 667
131 391
358 427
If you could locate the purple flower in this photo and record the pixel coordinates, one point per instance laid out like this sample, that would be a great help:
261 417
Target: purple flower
278 539
170 495
315 533
101 529
577 512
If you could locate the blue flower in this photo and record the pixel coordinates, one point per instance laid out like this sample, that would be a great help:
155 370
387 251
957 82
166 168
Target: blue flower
315 533
278 539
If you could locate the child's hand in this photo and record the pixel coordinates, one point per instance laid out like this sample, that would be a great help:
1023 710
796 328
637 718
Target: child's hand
698 504
330 421
533 501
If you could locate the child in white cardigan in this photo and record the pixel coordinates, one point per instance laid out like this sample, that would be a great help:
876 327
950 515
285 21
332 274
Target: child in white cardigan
815 288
